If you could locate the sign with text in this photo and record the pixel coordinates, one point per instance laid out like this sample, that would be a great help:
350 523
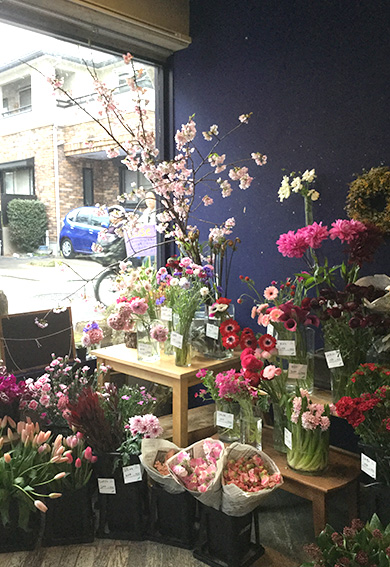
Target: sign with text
142 241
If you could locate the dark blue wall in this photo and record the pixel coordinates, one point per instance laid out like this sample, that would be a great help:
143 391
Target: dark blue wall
315 74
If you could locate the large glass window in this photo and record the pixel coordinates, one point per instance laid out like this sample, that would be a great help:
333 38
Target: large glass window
60 131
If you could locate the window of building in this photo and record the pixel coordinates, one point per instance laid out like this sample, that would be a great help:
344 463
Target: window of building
17 178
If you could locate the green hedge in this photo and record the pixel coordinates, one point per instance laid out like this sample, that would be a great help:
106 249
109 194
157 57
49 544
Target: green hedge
27 223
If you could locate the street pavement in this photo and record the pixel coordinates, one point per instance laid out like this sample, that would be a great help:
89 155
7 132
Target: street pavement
45 282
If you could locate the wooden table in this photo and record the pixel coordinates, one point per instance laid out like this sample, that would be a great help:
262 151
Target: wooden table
124 360
342 474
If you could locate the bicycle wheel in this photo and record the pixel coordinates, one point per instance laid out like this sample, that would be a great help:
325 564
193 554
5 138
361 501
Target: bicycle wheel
106 291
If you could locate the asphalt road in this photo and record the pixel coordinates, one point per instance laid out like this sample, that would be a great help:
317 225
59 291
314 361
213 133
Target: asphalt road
39 283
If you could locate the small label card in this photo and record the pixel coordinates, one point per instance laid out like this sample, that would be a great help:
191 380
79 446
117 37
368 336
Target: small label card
106 486
286 348
297 371
224 419
368 466
212 331
176 340
166 313
145 349
270 329
287 438
132 473
334 359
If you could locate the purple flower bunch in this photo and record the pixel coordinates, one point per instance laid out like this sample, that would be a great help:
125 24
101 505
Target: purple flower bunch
10 389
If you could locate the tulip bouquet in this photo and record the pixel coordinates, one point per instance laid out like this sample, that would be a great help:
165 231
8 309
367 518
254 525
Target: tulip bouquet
80 458
29 465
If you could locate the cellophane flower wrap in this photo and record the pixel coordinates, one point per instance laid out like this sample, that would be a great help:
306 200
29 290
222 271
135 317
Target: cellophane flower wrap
153 450
198 468
248 477
309 424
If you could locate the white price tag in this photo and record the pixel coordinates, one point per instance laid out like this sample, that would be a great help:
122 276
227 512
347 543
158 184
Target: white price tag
368 466
145 349
334 359
176 340
286 348
166 313
132 473
106 486
270 329
224 419
287 438
297 371
212 331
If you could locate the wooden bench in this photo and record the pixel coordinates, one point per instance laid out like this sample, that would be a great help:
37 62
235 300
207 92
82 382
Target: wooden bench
342 474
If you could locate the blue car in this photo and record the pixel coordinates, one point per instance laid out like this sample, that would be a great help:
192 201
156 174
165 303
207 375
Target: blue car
80 230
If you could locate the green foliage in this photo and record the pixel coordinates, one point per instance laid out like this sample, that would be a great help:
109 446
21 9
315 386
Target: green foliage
357 545
27 223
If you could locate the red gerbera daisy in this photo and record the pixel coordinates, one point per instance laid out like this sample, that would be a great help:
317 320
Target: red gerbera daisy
229 326
267 342
231 340
248 341
247 331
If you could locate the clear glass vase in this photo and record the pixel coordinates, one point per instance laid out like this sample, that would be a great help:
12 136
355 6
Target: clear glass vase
165 315
297 357
213 346
181 339
148 349
309 449
279 423
227 420
251 425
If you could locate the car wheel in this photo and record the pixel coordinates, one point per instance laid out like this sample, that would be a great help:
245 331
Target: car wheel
67 248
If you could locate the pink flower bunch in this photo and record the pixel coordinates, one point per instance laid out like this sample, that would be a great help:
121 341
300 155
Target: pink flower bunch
159 333
294 244
197 473
250 474
310 415
147 426
92 334
233 385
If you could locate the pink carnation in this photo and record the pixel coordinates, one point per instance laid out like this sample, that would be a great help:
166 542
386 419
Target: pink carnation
139 306
314 234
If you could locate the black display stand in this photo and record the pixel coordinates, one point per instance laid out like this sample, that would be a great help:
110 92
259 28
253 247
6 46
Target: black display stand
172 518
226 541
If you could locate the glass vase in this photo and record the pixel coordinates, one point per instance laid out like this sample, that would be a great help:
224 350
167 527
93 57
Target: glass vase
181 339
279 423
165 315
227 420
251 425
148 349
213 346
309 449
296 357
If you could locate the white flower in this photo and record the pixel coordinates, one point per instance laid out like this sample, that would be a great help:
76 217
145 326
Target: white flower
204 291
296 184
309 176
284 190
184 283
174 282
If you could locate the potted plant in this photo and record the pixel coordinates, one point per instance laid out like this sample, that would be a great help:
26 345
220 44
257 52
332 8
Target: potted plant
358 544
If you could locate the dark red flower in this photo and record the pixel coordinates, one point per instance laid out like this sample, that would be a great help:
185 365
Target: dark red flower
253 377
229 326
249 361
247 331
267 342
230 341
224 300
248 341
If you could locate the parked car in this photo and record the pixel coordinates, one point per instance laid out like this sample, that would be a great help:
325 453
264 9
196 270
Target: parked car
80 230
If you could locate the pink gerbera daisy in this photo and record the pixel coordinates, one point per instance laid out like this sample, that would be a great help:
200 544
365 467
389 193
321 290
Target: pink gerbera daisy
271 292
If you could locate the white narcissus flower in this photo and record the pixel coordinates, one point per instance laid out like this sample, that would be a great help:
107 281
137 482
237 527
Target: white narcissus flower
296 184
285 189
309 176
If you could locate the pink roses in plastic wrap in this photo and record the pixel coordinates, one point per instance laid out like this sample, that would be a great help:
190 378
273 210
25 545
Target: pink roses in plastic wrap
250 474
197 473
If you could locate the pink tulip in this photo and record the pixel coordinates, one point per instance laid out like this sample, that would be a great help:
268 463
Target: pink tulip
40 505
78 463
53 495
7 458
